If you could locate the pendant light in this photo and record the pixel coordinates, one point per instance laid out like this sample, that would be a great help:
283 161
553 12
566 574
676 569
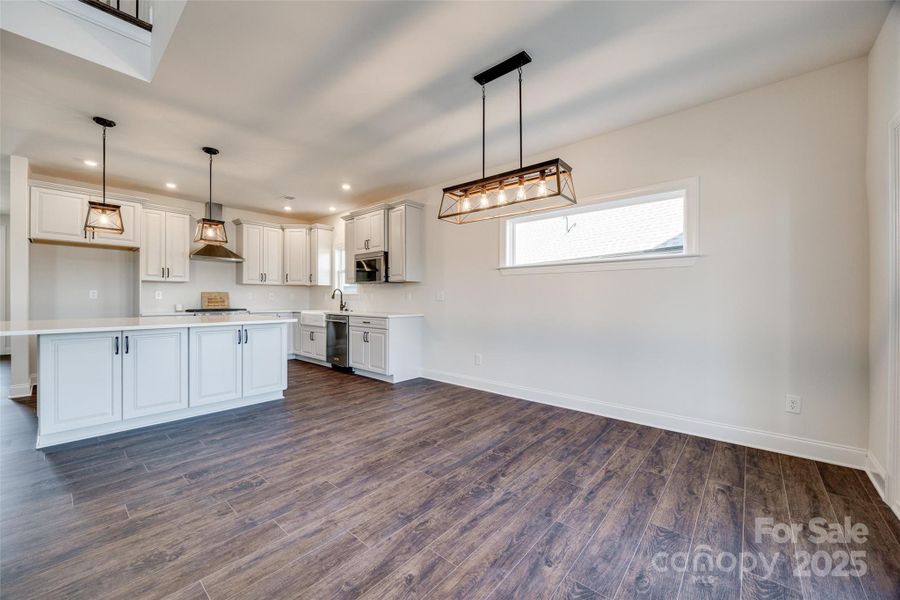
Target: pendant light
102 216
210 231
541 186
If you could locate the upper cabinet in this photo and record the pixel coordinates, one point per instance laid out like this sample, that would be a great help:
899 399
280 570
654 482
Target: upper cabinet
165 245
405 259
307 254
58 214
395 228
262 247
349 258
370 232
296 255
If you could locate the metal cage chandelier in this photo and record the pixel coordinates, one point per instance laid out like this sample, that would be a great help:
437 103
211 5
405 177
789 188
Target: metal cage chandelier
541 186
210 231
102 216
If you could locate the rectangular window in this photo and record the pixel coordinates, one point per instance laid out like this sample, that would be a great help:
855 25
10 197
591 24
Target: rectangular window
340 271
650 223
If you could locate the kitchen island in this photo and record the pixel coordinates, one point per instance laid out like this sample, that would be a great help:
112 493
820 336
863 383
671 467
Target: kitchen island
101 376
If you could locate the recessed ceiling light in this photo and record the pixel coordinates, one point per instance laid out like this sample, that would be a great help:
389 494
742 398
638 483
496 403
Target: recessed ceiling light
90 163
171 185
288 208
345 186
332 209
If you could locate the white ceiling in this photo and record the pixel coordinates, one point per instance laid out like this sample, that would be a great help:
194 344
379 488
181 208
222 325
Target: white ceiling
301 97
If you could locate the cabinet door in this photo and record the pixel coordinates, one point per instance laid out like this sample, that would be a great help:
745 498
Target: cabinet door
215 364
178 247
131 221
251 248
397 244
361 234
297 341
296 257
377 342
153 246
154 371
349 255
58 215
307 344
273 252
265 358
319 340
320 248
376 232
80 380
358 348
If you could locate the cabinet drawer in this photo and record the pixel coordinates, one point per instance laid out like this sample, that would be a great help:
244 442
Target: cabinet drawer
369 322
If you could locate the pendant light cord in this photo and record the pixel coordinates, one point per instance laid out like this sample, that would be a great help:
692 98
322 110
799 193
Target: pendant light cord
483 105
520 118
209 209
104 164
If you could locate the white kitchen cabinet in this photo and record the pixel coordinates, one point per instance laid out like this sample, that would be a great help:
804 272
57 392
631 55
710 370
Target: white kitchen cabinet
321 239
369 349
80 380
312 342
406 256
154 371
262 374
216 364
296 255
261 246
132 213
349 254
58 214
358 356
165 246
369 232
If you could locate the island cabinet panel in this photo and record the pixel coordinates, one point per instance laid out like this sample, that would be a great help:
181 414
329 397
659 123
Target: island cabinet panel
80 380
216 364
264 353
154 371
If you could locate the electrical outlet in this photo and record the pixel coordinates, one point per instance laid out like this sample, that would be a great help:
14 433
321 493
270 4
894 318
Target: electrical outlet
158 295
477 359
440 296
793 404
92 294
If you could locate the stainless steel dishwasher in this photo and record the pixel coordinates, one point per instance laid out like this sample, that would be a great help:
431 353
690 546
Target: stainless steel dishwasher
338 340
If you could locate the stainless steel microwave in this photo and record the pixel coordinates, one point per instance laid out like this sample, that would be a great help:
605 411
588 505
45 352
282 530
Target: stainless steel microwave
371 267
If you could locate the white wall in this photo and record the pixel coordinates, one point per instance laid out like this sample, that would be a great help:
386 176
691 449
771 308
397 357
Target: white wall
16 177
778 303
884 105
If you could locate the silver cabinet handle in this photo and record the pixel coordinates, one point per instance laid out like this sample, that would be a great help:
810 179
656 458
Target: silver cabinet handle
126 344
117 344
163 272
310 277
239 337
285 277
246 337
168 272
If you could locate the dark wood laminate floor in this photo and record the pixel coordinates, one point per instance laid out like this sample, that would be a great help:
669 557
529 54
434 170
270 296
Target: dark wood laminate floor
351 488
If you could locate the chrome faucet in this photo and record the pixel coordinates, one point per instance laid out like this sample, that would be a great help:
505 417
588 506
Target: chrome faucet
338 291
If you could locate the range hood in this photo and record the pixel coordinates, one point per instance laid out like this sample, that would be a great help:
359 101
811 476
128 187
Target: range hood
213 252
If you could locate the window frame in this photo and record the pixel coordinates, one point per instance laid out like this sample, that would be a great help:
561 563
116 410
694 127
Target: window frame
690 187
340 266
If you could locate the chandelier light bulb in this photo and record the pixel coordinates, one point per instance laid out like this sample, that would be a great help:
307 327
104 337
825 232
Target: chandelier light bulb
501 195
465 202
484 198
542 187
520 193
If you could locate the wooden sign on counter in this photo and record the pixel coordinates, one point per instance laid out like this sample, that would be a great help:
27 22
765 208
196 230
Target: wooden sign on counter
214 300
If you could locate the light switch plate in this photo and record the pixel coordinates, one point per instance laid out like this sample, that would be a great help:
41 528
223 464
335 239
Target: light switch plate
92 294
158 295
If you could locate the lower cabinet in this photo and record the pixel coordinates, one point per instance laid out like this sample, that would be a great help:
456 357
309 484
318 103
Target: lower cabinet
154 371
312 342
369 349
216 364
264 358
91 384
80 380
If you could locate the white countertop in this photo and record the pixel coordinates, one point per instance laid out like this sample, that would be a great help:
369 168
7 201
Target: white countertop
11 328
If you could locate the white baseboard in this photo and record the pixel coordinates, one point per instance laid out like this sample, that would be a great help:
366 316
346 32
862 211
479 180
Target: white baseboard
877 475
20 390
839 454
